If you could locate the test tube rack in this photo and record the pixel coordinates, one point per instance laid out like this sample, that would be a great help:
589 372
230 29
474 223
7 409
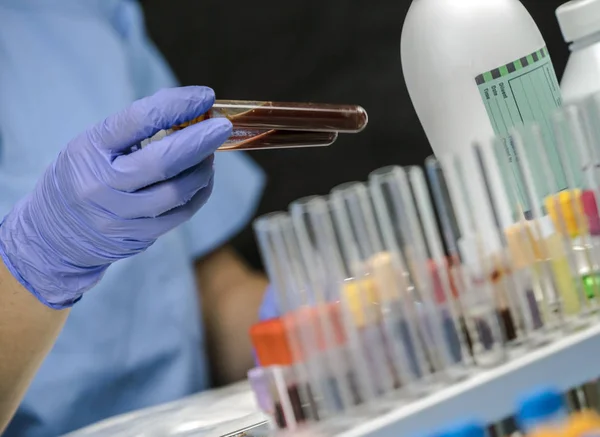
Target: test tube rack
490 395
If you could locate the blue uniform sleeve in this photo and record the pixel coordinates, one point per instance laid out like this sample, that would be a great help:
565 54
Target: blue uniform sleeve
238 180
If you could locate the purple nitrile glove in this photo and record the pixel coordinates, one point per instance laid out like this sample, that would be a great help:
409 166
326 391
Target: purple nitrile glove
97 203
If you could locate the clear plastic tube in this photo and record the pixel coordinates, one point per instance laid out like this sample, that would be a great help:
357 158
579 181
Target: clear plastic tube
474 290
259 139
569 128
364 254
271 231
360 291
320 250
562 298
559 245
525 282
447 294
484 250
438 327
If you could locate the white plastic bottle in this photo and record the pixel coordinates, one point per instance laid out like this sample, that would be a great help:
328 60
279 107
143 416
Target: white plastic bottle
579 22
475 69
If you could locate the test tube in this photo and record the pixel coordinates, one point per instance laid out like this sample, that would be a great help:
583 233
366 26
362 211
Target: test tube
368 262
271 231
474 288
570 130
444 290
320 252
274 125
393 195
551 253
359 289
270 342
557 204
259 139
259 379
525 281
511 304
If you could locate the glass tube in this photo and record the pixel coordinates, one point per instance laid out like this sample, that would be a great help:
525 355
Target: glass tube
565 259
474 288
259 380
563 294
393 194
445 293
570 132
281 267
258 139
321 253
366 258
316 117
487 241
359 289
525 281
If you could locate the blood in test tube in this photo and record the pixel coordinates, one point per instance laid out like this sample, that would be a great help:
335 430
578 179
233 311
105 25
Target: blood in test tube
317 117
254 139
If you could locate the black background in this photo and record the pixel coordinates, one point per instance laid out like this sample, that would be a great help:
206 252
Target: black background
338 51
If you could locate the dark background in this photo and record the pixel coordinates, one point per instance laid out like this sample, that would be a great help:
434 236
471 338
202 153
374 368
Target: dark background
338 51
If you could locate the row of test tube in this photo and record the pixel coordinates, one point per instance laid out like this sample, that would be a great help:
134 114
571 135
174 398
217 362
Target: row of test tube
393 288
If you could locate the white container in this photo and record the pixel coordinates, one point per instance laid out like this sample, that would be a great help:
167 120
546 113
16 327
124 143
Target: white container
579 22
475 69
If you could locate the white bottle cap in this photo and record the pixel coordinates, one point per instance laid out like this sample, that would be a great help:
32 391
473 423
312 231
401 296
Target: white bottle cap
578 19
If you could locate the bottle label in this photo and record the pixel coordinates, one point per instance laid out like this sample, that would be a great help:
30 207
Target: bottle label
516 94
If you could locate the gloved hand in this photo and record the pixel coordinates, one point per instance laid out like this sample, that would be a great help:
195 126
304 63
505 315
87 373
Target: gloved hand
269 309
97 203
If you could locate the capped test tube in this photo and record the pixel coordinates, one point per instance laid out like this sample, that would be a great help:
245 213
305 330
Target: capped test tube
474 288
487 246
271 235
524 278
535 238
445 291
279 246
556 222
384 309
569 128
439 324
270 341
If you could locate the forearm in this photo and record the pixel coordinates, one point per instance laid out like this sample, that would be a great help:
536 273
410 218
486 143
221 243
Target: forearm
231 294
28 330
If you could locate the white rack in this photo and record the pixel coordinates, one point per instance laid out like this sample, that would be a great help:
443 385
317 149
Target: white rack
491 395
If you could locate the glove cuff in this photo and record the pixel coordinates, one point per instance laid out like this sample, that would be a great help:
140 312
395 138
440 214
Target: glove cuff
37 268
11 268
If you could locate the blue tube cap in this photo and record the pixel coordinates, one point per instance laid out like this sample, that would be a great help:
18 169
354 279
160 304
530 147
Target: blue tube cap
467 428
539 406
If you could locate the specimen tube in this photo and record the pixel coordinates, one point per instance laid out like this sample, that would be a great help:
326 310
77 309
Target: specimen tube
370 265
569 129
524 282
438 328
270 231
317 117
320 250
474 288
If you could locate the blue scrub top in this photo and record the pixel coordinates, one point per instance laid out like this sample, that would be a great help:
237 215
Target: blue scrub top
136 339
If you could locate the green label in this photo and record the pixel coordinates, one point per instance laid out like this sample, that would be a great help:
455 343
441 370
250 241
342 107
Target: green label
514 95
